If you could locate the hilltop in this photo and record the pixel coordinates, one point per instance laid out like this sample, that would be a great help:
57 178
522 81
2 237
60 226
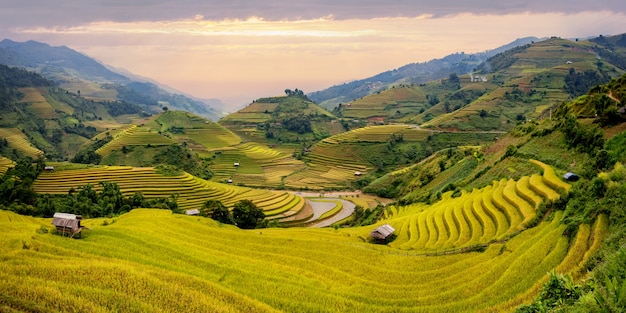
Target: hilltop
293 118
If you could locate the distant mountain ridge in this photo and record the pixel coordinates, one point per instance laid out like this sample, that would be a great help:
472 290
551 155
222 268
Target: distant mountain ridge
66 66
414 73
48 60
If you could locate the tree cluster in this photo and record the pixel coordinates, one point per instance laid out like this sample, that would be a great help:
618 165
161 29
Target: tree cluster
245 213
300 124
184 159
577 84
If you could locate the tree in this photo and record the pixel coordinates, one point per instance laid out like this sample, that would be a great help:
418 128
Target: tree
247 215
216 210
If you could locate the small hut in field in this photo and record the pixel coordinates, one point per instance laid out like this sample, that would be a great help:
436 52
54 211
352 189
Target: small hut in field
383 234
192 212
67 223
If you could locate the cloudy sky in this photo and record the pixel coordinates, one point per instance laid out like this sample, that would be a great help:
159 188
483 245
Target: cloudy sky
240 50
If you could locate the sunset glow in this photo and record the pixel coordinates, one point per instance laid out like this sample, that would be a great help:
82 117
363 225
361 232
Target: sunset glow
240 59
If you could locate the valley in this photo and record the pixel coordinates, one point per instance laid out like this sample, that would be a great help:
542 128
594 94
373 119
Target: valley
472 172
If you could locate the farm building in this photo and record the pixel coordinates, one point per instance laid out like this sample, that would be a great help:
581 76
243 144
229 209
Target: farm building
192 212
236 164
49 168
67 223
383 233
357 173
570 177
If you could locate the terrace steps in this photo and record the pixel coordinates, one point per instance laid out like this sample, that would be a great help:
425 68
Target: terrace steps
474 218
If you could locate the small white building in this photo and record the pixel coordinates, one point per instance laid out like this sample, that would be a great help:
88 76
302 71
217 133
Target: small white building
192 212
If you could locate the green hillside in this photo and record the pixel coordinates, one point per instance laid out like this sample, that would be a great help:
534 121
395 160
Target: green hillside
80 74
520 84
289 119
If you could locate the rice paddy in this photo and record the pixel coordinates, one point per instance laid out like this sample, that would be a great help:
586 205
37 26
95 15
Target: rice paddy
192 191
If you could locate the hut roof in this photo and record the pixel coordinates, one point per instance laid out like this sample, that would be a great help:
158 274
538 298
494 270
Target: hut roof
192 212
571 176
382 232
68 216
72 224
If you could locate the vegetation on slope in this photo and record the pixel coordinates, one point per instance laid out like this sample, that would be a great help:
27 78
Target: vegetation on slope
289 119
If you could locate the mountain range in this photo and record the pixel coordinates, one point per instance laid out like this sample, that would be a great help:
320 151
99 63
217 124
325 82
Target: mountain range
75 72
414 73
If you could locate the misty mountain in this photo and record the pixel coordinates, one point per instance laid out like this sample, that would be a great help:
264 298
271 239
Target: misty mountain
53 61
75 71
414 73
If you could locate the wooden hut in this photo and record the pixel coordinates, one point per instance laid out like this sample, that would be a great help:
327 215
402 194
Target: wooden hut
67 223
192 212
383 234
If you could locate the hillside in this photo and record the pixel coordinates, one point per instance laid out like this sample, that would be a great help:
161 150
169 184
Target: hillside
83 75
539 76
519 84
289 119
415 73
41 120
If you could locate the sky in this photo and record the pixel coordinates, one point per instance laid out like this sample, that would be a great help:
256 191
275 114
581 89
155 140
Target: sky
241 50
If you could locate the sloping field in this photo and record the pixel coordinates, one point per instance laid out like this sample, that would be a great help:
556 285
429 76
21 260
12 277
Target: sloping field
258 165
38 103
152 260
192 191
336 161
199 130
386 103
18 140
477 218
135 136
380 134
5 163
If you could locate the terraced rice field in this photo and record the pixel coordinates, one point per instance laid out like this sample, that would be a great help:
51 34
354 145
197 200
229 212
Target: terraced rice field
152 260
5 164
37 103
380 133
475 218
258 166
333 163
192 191
19 141
135 136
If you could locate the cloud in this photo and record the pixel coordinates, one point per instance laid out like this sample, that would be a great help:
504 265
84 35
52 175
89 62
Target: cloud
48 13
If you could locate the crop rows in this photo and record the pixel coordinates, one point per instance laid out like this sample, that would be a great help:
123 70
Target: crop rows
192 191
5 164
151 260
18 140
482 216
